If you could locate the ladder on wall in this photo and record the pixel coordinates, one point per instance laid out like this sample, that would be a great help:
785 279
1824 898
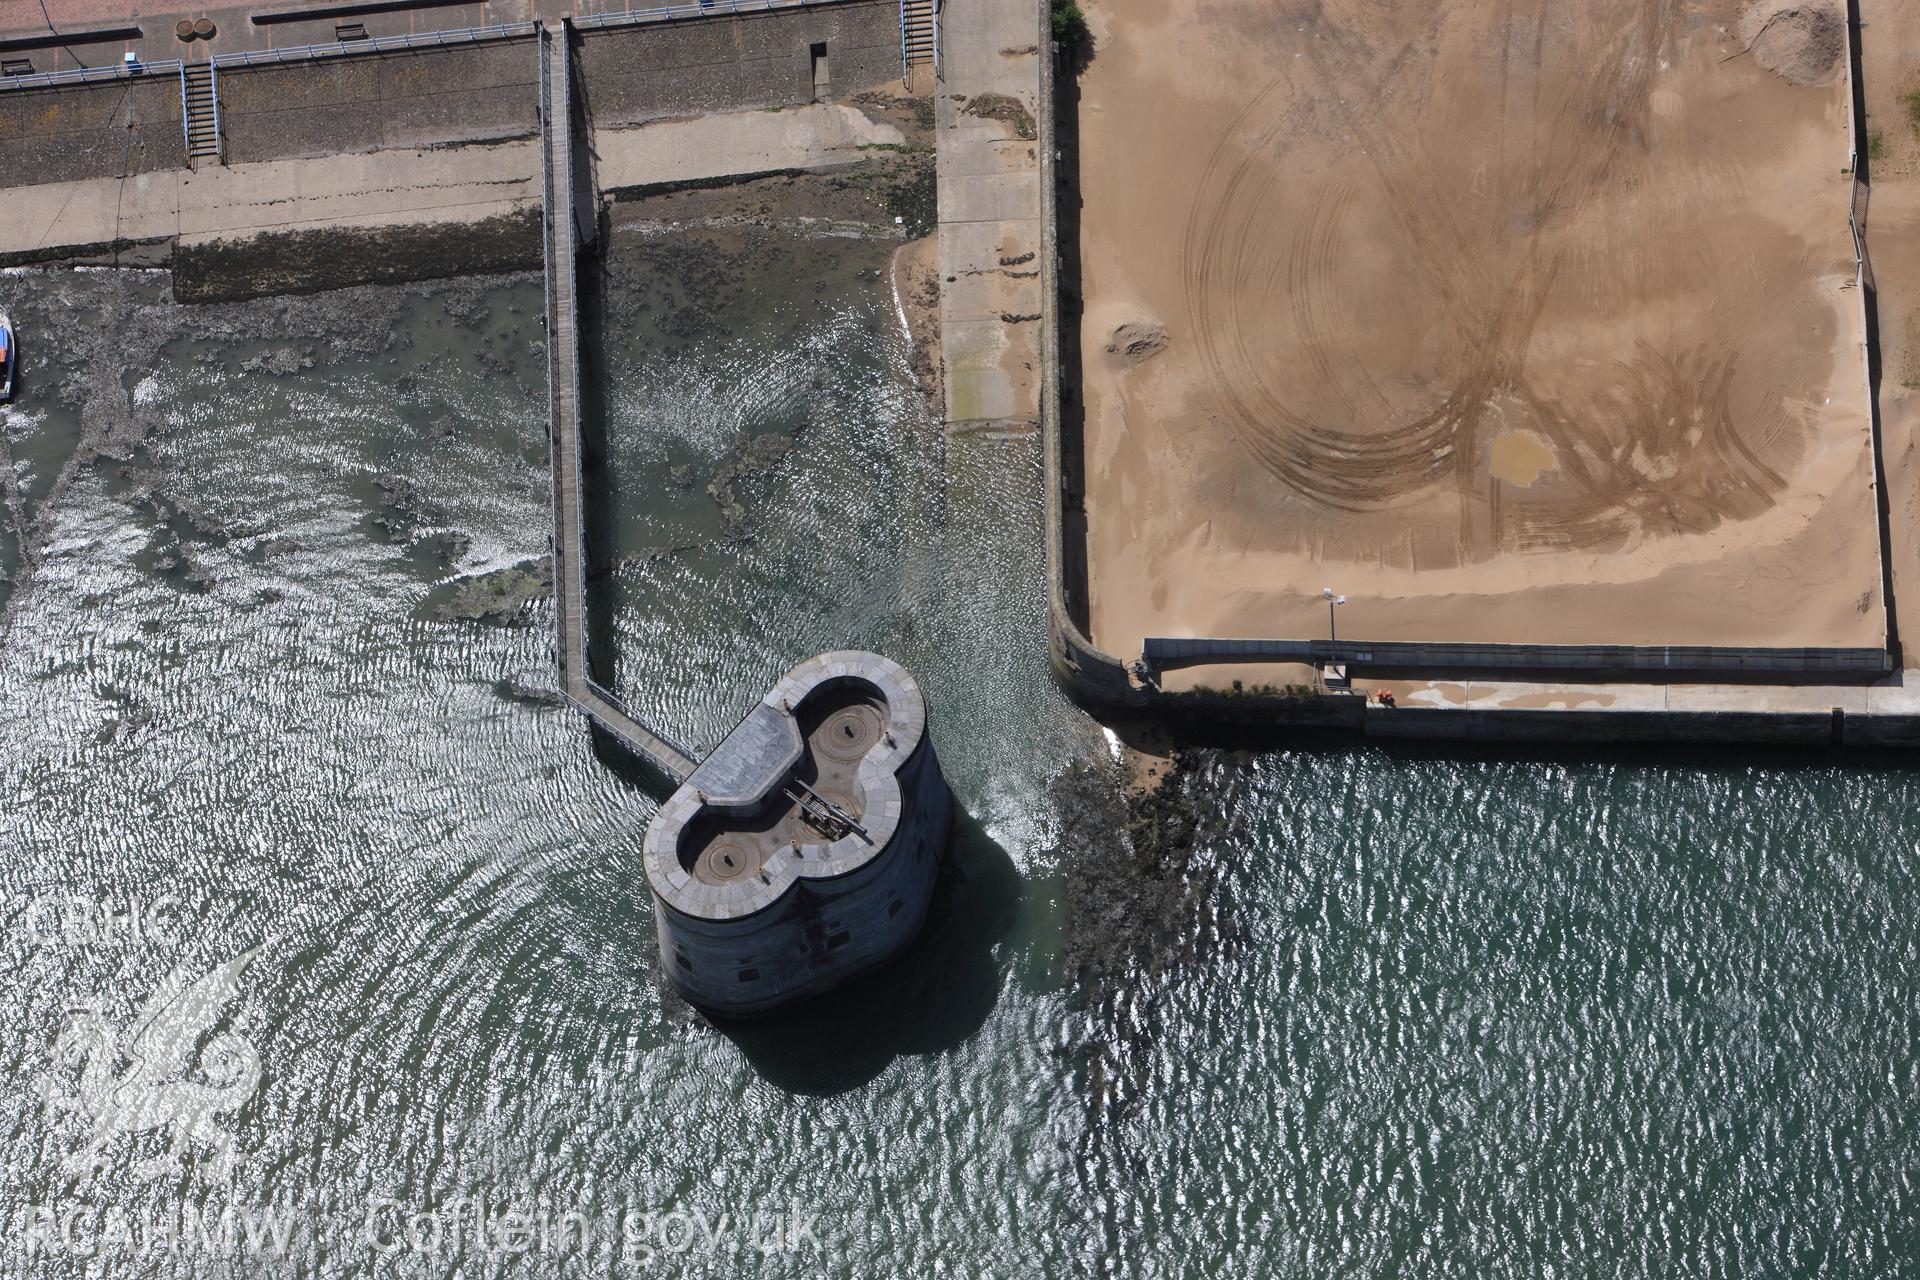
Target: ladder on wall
200 104
919 36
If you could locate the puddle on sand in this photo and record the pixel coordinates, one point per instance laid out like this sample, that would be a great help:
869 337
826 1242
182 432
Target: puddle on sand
1520 457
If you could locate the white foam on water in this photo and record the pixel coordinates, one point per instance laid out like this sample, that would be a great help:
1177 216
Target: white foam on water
18 421
899 302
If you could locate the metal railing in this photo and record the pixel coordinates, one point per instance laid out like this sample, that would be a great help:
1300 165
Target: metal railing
702 9
90 75
567 194
569 557
420 40
1858 194
912 14
1161 651
569 574
546 205
186 117
377 44
213 96
1862 269
606 695
560 200
547 202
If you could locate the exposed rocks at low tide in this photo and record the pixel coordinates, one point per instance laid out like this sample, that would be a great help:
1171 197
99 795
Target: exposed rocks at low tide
503 597
1140 883
536 686
403 510
279 362
287 262
88 340
1147 900
752 460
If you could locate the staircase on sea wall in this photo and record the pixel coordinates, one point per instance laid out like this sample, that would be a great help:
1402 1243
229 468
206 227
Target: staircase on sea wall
919 36
201 103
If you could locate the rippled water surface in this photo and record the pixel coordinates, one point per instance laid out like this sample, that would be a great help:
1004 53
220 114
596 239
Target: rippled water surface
1322 1011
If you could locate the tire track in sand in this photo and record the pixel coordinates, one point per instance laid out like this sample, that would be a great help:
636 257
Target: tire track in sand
1349 451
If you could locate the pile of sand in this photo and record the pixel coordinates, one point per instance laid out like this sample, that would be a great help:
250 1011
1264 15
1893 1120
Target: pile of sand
1800 42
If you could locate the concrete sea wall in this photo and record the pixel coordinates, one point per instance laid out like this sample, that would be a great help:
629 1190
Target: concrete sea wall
108 130
1092 677
434 96
283 262
1834 727
412 98
1598 660
632 74
441 185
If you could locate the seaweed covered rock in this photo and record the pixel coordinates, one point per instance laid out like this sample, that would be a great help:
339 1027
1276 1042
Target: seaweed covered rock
501 597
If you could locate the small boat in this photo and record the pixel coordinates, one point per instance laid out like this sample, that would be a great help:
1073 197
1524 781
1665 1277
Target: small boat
7 358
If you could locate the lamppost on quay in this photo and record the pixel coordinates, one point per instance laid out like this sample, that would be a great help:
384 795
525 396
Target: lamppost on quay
1333 602
1331 665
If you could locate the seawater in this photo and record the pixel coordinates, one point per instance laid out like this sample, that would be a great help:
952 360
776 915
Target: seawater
1422 1012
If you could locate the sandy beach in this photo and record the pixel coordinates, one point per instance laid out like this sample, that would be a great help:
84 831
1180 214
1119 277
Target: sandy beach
1524 322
